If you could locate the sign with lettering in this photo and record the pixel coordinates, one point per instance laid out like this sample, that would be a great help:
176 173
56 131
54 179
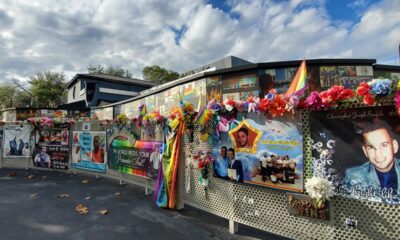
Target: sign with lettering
89 150
358 151
141 158
51 156
304 205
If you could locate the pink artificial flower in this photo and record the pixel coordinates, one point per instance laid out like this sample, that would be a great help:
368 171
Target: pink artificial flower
314 100
397 99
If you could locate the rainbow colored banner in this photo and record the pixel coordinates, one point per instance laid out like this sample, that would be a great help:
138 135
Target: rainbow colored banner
165 188
299 81
136 160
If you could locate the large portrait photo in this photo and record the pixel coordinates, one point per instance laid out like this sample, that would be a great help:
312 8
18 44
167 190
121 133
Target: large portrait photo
89 150
51 156
16 141
357 150
260 151
51 147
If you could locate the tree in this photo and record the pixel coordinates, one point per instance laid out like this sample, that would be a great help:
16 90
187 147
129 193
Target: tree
22 99
158 74
111 70
7 94
48 89
12 96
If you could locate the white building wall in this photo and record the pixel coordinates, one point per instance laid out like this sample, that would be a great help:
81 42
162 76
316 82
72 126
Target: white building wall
79 94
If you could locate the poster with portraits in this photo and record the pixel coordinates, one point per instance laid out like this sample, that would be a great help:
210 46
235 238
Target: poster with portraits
353 82
193 92
16 141
102 113
213 89
328 76
51 148
235 96
171 99
364 71
260 151
347 71
357 150
89 150
150 102
239 82
51 156
53 136
243 96
24 114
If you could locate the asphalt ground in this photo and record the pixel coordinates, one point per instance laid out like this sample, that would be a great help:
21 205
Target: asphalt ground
31 208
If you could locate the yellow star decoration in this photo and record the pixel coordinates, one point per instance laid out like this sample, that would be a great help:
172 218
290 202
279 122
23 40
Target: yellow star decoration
251 132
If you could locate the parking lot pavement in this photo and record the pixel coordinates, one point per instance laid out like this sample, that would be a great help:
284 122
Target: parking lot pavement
32 207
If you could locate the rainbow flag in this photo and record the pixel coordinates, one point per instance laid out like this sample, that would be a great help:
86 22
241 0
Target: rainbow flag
165 187
299 80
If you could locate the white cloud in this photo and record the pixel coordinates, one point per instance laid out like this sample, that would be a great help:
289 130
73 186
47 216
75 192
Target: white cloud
69 35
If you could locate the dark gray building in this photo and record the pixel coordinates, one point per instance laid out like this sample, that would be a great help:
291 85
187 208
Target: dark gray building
91 90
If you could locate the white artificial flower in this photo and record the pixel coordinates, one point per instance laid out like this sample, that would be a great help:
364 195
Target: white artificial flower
319 188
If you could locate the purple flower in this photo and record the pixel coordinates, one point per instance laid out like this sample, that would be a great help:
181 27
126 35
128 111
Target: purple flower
314 100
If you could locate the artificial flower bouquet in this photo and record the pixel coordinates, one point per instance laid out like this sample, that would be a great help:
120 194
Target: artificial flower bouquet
204 162
319 189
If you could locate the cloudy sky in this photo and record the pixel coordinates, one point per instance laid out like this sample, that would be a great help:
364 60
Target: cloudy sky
181 35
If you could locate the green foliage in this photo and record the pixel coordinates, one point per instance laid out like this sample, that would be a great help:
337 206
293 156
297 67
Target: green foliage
22 99
111 70
12 96
7 93
48 89
158 74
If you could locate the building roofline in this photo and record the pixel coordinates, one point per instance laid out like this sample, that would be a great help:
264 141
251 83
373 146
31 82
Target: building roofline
387 67
250 67
110 78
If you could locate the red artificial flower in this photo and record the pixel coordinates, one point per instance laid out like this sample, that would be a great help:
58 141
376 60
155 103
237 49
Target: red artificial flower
264 105
363 89
346 94
278 107
334 92
325 97
200 165
230 102
369 99
302 104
